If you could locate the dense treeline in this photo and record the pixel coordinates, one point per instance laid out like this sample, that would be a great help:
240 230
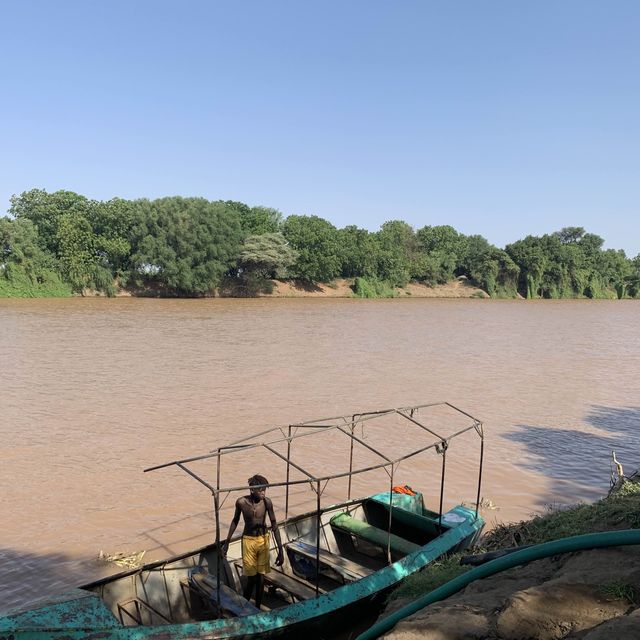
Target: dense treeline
62 243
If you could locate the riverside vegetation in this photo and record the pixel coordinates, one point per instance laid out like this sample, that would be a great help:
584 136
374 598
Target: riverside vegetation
62 243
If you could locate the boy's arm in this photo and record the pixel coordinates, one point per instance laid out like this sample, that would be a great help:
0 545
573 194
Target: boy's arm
232 528
276 531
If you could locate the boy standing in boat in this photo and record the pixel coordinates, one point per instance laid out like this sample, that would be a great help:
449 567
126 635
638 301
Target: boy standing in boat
255 538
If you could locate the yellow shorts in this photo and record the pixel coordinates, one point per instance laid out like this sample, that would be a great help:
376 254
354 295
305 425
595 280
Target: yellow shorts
255 554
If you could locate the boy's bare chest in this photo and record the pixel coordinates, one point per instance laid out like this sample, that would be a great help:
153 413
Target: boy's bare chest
253 511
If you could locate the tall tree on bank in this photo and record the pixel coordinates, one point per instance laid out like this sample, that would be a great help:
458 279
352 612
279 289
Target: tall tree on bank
491 268
530 255
398 253
360 252
268 255
89 239
262 258
45 210
569 263
444 251
632 280
317 244
184 246
256 220
26 270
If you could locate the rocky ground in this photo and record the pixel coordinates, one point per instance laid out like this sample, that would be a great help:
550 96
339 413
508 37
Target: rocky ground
588 595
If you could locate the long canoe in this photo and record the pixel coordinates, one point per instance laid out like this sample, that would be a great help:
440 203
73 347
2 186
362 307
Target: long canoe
340 562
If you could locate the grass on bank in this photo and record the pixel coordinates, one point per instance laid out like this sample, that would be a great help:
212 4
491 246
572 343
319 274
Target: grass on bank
372 288
21 285
618 511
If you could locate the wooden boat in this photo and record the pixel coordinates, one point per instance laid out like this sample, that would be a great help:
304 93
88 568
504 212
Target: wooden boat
340 560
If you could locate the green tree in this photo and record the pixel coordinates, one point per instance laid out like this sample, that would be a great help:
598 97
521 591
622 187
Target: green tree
255 220
26 270
530 255
184 246
491 268
268 255
398 257
45 210
359 250
444 251
610 275
260 220
557 279
632 281
591 244
317 244
112 225
90 239
569 235
76 250
262 257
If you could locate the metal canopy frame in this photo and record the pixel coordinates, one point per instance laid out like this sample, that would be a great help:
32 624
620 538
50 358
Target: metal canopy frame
268 439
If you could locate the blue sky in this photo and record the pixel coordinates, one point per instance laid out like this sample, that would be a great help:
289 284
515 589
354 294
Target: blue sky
499 118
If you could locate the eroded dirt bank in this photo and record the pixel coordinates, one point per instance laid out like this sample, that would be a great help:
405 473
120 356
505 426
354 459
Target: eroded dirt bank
459 288
591 595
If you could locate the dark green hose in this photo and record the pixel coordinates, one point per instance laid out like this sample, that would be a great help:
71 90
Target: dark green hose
536 552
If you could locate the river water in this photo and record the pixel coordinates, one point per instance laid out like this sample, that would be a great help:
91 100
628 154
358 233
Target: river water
92 391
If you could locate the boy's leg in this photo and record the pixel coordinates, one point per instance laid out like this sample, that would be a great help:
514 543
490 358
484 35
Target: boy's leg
259 589
249 565
248 589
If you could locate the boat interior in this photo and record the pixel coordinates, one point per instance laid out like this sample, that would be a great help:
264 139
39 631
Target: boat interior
356 539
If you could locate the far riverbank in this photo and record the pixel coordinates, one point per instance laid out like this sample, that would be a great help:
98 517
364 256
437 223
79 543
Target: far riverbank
341 288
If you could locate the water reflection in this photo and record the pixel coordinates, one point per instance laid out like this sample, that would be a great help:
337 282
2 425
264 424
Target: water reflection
575 459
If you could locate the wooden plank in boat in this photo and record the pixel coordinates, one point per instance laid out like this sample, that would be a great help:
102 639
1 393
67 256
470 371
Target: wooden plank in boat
298 589
231 602
349 570
293 586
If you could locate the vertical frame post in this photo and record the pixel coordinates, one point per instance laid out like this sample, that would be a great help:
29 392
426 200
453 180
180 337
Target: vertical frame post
352 427
216 504
318 539
444 464
481 432
286 496
390 515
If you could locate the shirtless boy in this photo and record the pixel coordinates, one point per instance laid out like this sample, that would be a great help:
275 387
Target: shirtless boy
255 538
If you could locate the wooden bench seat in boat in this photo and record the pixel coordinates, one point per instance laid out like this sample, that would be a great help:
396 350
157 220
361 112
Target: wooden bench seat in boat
379 537
232 604
297 589
350 571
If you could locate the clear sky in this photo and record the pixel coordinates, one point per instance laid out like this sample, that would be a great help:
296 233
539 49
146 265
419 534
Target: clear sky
500 118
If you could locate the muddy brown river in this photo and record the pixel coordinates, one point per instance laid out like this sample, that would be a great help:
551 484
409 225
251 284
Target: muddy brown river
92 391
